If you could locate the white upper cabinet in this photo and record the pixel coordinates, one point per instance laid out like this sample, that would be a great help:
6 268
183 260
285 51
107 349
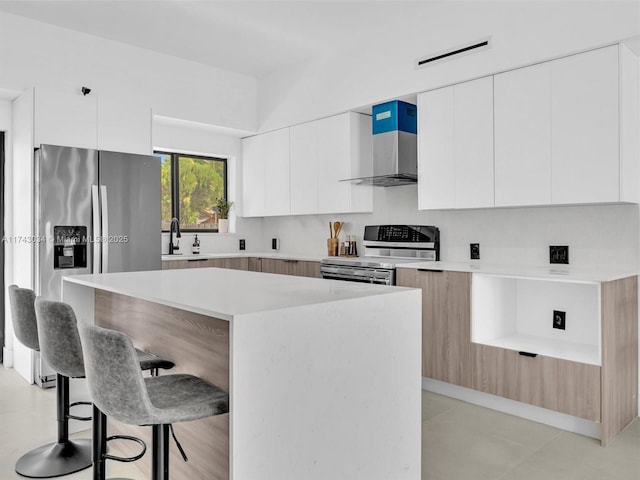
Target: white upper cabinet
522 112
75 120
566 132
303 175
585 128
298 170
124 127
473 149
260 154
436 172
455 146
276 175
65 119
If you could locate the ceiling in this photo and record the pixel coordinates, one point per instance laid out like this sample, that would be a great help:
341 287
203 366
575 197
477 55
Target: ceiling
250 37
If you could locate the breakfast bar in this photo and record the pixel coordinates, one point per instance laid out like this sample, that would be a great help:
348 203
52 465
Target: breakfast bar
324 376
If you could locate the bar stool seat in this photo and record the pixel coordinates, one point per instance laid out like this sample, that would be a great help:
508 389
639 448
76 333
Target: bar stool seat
118 388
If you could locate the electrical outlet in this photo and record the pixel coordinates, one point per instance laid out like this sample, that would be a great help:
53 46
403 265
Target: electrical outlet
559 319
275 244
474 250
242 244
559 254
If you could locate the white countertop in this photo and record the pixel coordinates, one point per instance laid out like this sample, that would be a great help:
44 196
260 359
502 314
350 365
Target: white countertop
225 293
283 256
551 272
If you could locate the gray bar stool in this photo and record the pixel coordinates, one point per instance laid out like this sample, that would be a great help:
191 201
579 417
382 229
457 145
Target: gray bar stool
118 388
63 456
61 348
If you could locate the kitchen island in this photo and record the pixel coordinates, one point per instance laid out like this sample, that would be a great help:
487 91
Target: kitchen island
324 376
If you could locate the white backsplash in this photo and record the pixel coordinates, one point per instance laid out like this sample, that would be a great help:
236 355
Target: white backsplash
599 236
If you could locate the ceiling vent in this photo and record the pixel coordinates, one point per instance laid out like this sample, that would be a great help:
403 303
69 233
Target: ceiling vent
456 52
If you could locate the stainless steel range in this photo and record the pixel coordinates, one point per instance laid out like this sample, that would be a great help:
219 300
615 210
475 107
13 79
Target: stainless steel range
385 246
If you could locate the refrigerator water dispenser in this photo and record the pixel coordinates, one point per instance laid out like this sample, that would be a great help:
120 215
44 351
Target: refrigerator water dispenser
70 247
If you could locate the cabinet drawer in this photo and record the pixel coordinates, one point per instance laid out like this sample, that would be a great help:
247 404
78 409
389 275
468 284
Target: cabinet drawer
560 385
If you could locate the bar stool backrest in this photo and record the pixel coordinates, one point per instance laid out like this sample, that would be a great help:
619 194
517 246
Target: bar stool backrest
59 340
113 373
24 316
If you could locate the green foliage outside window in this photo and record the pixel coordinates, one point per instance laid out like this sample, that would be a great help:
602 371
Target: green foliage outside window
201 182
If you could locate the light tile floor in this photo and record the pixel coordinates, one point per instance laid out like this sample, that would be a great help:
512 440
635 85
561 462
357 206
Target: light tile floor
460 441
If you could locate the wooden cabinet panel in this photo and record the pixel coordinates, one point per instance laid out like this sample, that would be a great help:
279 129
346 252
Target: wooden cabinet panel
619 355
446 323
522 110
560 385
291 267
255 264
235 263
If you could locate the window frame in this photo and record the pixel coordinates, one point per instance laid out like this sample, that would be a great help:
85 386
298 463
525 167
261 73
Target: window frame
175 184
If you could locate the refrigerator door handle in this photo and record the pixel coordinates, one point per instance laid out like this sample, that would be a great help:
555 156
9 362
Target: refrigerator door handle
97 228
105 229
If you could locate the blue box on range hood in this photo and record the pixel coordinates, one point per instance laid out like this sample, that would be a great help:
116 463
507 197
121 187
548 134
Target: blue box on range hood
394 115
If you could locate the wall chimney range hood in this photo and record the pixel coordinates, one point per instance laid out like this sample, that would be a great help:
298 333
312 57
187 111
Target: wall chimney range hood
395 146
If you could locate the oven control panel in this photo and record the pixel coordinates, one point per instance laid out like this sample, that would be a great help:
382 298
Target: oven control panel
402 233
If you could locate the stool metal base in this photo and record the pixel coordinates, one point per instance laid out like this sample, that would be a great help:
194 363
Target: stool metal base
55 459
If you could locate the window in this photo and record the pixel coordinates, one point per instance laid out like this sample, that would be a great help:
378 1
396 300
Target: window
190 186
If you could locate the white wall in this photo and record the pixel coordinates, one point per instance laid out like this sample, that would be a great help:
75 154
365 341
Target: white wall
5 126
382 67
41 55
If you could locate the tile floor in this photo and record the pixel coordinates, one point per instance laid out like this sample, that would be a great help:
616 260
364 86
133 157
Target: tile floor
460 441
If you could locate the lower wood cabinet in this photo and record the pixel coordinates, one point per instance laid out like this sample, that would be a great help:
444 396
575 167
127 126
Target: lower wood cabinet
560 385
446 323
237 263
602 391
299 268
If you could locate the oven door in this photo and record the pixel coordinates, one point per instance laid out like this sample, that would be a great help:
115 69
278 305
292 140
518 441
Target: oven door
380 276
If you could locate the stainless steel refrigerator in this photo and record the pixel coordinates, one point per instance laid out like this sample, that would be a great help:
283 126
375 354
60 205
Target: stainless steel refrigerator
95 212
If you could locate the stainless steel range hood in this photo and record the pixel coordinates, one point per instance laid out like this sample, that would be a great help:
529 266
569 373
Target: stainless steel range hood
395 146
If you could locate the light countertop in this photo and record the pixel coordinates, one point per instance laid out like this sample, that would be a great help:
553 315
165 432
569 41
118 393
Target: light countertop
550 272
225 293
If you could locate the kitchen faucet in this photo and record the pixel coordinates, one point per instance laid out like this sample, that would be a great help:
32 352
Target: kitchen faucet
172 247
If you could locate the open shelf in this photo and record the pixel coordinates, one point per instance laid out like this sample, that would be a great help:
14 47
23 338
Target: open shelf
517 314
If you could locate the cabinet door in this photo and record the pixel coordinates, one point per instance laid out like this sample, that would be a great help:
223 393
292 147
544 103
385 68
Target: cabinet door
304 168
253 172
522 110
291 267
334 164
124 127
276 152
585 128
560 385
436 173
473 143
176 264
235 263
65 119
446 323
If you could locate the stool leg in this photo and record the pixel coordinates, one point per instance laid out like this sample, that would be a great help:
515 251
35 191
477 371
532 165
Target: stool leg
160 465
99 444
60 458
